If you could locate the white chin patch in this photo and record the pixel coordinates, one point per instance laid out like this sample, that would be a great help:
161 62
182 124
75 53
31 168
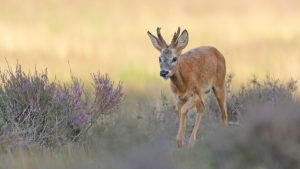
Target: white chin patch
165 78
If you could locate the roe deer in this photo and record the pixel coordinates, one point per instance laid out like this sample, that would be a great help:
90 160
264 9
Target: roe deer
192 74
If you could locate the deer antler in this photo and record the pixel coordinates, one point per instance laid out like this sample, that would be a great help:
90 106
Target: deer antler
161 39
175 37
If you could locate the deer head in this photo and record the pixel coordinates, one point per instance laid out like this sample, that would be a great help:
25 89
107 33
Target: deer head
168 58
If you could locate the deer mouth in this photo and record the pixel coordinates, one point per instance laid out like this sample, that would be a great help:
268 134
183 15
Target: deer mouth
167 76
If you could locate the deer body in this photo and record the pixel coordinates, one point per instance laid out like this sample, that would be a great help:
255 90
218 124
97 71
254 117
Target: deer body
198 68
192 74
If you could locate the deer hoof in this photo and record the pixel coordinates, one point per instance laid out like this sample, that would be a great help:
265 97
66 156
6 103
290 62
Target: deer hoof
191 143
179 142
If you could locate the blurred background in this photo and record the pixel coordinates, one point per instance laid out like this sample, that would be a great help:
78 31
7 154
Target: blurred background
256 38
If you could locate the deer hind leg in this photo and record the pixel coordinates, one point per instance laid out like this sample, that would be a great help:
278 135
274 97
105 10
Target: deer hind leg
221 98
183 110
201 110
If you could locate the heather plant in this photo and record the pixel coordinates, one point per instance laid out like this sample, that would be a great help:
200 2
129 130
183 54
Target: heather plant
107 97
37 111
267 91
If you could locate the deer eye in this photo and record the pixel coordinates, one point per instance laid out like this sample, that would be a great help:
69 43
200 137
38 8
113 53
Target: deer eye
174 59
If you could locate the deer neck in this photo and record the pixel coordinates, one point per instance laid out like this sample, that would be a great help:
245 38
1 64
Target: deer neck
177 79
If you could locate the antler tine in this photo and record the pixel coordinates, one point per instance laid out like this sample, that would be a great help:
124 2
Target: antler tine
160 37
175 37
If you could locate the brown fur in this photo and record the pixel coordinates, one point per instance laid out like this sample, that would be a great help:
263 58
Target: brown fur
196 72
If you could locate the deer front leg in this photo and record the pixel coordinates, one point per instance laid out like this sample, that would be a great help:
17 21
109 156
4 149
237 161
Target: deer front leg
200 110
183 110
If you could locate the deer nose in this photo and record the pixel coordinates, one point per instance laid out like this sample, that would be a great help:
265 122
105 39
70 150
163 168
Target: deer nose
163 73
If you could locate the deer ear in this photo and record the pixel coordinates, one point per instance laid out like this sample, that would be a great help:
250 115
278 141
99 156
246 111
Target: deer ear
183 40
155 42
